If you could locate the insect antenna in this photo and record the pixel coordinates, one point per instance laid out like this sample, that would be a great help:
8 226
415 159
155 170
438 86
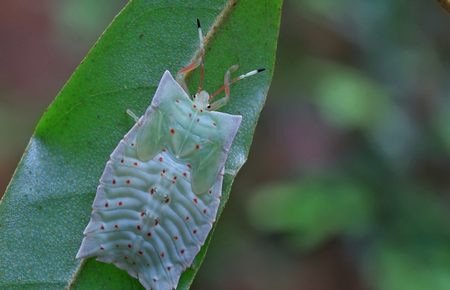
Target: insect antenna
195 63
202 64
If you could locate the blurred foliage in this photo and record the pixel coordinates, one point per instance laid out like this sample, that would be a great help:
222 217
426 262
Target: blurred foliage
380 82
77 30
411 251
442 123
348 99
312 210
409 248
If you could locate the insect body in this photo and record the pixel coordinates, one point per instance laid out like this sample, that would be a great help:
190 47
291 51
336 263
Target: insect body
160 191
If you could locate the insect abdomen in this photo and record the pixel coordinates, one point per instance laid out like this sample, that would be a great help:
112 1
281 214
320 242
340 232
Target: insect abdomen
146 218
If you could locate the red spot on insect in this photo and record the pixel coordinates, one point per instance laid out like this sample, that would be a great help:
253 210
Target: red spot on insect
128 181
120 203
189 165
122 161
140 253
197 146
194 232
194 106
174 179
113 181
102 227
162 254
182 251
138 227
129 246
135 164
161 159
142 213
201 110
187 218
195 200
149 234
175 238
116 226
204 211
106 204
172 131
184 174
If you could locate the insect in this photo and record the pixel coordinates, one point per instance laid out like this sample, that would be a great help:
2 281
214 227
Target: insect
160 190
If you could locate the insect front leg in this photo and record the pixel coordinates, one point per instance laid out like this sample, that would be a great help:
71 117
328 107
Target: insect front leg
226 86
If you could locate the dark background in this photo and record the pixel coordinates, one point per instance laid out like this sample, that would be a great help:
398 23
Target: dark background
347 183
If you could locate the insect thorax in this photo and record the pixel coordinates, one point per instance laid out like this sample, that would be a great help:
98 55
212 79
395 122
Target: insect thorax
188 132
201 99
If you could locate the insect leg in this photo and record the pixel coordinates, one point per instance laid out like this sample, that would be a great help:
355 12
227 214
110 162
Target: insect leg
132 115
196 62
226 87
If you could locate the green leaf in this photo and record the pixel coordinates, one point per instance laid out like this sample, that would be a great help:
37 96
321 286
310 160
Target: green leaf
48 202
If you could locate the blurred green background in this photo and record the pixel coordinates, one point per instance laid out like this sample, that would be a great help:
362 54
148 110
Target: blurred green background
347 186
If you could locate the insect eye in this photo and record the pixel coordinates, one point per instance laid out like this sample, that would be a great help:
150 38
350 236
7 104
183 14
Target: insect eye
208 107
193 96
